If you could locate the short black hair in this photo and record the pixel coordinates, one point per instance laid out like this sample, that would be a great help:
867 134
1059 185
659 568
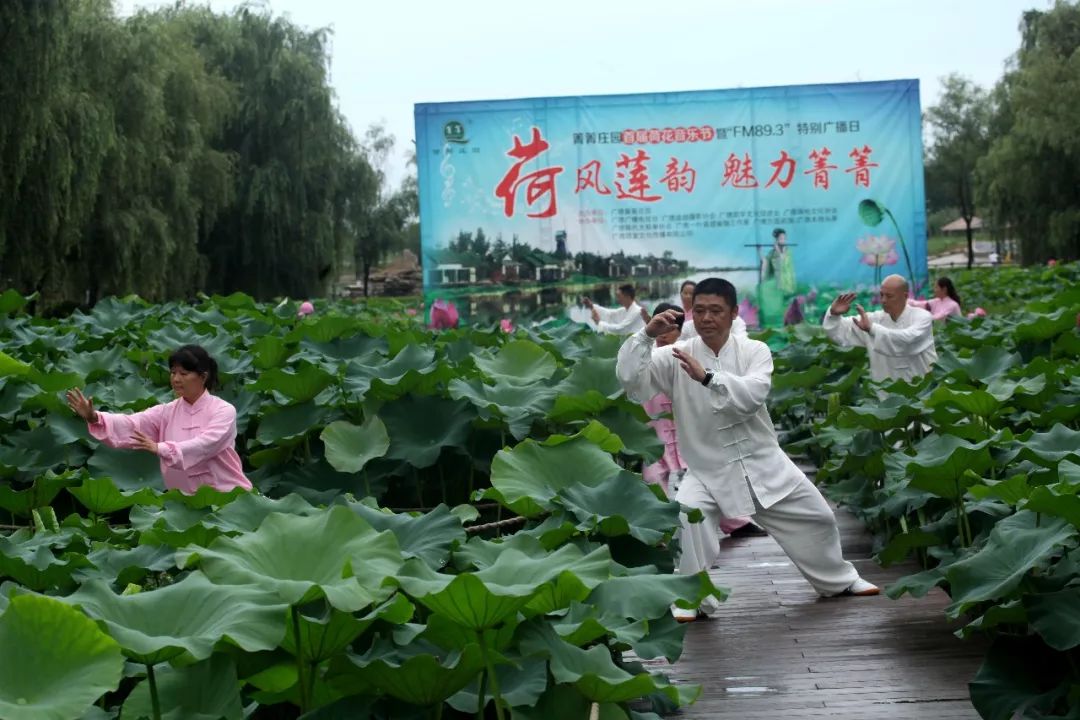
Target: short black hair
194 358
668 306
778 232
685 283
717 286
628 289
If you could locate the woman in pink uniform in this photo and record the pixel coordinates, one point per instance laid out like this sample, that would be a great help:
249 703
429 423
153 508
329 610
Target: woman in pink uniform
194 436
945 302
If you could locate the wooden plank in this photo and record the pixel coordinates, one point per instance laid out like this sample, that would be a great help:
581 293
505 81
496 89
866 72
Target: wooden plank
776 649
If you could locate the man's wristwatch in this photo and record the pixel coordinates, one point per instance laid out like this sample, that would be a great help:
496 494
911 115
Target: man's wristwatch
707 379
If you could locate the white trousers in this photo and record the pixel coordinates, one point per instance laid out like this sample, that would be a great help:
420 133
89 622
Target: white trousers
802 523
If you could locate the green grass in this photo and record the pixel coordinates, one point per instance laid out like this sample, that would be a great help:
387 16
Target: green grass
940 244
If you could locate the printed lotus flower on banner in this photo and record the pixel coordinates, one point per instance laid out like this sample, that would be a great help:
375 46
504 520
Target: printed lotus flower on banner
749 313
877 250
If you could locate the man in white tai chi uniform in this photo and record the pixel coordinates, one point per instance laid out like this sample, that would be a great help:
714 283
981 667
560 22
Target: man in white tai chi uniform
898 338
623 320
718 383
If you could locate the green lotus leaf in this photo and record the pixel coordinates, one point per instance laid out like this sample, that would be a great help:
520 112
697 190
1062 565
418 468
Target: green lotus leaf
430 536
1009 681
1004 390
1054 616
594 673
420 427
208 690
518 362
623 505
42 492
638 438
945 464
664 639
1069 473
327 634
364 349
918 584
989 361
557 701
871 213
290 422
271 352
335 554
485 598
527 478
972 402
101 496
1012 491
521 684
409 673
349 447
1009 613
1016 545
892 412
173 524
185 620
32 561
299 385
125 566
325 327
901 545
518 405
54 661
809 378
479 553
247 512
11 367
1039 327
412 360
651 596
130 470
37 451
582 624
1049 448
1059 502
12 301
587 390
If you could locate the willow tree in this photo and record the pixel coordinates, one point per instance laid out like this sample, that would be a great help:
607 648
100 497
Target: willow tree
1031 176
283 234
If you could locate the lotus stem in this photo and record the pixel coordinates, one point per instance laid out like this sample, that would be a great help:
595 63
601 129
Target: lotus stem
493 678
304 699
903 246
155 702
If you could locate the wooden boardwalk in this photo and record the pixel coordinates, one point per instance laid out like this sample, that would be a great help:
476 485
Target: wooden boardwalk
776 650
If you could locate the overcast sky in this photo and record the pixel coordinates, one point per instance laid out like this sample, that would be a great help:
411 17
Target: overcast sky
388 55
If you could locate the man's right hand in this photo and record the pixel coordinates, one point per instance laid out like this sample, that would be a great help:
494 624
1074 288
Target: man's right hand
842 304
662 323
81 405
587 302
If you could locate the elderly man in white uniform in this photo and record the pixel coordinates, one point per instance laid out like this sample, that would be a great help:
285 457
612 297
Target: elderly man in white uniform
898 338
718 383
623 320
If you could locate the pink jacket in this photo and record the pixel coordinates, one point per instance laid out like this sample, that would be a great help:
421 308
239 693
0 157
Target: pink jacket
671 461
196 441
940 308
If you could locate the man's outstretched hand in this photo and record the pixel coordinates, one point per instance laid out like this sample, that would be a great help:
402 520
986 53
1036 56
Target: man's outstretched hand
690 364
842 304
863 322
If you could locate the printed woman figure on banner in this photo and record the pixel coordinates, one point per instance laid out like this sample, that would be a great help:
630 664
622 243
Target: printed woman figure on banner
777 279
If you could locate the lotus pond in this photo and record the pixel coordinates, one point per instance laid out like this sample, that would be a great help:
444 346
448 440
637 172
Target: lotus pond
451 524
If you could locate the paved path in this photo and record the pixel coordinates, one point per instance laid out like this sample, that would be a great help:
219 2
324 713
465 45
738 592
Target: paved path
778 652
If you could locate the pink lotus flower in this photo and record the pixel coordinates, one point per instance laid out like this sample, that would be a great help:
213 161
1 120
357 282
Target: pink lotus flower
748 313
411 312
444 315
506 325
877 250
1051 262
306 308
979 312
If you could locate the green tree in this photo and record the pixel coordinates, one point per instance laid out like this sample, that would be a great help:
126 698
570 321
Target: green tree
1030 178
960 136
